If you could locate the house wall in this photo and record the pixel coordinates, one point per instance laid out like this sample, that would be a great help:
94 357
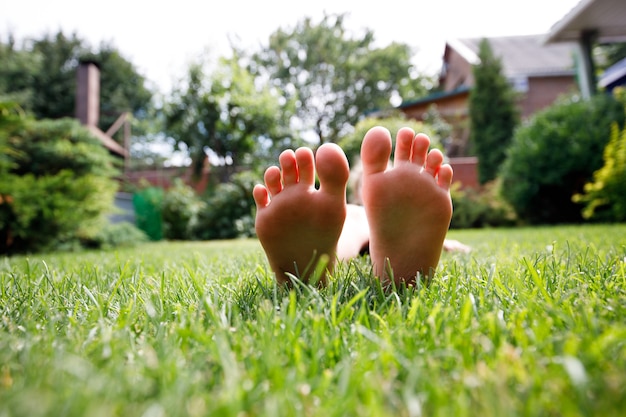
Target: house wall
465 172
165 177
449 107
454 110
543 91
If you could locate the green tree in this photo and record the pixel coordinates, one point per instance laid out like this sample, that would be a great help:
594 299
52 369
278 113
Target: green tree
122 89
14 64
493 113
611 53
333 78
41 76
225 114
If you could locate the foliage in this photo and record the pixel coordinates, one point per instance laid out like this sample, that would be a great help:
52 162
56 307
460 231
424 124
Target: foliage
41 76
611 53
229 210
116 236
493 113
225 114
180 210
480 208
351 143
555 154
57 185
532 323
335 78
605 197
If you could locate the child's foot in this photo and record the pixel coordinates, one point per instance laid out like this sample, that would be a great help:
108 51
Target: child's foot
295 222
408 206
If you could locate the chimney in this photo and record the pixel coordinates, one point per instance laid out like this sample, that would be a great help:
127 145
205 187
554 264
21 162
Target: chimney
88 93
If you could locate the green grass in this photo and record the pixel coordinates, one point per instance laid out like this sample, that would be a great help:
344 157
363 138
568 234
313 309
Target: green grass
532 322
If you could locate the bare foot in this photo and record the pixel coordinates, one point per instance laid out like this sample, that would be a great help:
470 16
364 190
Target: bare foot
408 206
296 223
455 246
355 235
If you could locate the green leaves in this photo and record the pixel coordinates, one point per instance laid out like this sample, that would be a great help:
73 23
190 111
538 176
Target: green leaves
56 187
605 196
493 113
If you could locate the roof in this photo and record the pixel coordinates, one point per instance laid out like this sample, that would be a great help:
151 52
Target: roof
438 95
607 18
523 55
615 74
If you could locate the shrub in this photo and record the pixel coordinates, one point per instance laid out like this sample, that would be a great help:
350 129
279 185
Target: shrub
179 211
605 197
554 155
229 210
480 208
57 185
117 235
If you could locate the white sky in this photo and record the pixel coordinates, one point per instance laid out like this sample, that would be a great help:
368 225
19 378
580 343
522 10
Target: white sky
161 37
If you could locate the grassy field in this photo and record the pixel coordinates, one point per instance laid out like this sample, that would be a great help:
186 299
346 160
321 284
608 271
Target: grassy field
531 323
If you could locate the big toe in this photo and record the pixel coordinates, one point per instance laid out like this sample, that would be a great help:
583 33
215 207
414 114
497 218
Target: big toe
332 168
376 150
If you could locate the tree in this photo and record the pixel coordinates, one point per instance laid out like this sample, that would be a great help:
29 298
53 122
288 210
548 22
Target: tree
122 88
225 114
14 64
493 113
334 79
41 76
611 53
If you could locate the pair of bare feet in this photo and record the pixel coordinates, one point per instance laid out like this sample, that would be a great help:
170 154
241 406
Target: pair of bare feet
407 207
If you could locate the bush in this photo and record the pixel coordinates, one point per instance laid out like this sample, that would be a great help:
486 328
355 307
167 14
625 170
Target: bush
117 235
57 184
229 210
179 211
605 197
554 155
480 208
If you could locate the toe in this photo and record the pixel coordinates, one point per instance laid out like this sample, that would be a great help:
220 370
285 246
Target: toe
433 162
376 150
288 167
404 143
420 145
306 167
261 196
332 169
444 178
272 180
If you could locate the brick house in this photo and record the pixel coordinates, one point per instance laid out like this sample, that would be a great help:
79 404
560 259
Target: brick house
539 72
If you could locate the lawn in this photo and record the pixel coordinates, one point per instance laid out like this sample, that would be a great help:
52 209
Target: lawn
531 323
